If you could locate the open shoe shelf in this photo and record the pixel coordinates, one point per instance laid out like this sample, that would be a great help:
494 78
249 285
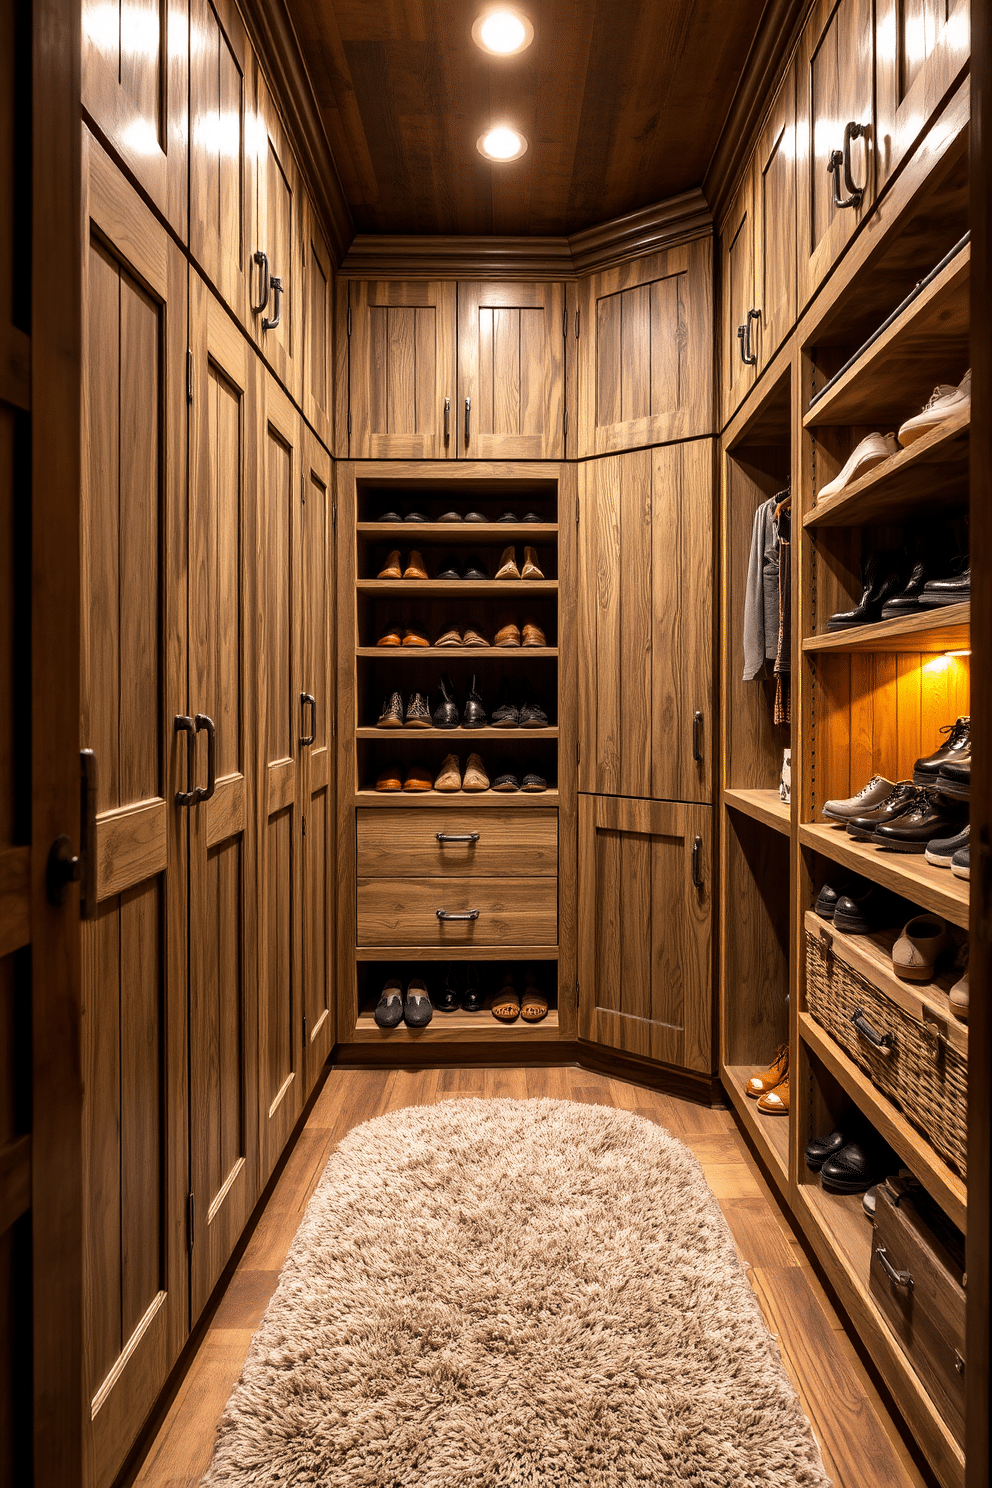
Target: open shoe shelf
456 1028
457 653
459 799
406 533
457 588
908 874
947 629
912 483
762 805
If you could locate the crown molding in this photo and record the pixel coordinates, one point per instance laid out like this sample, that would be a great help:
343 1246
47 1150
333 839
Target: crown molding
281 56
651 230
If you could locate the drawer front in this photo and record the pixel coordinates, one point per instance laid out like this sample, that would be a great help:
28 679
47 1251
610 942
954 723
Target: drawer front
511 911
405 844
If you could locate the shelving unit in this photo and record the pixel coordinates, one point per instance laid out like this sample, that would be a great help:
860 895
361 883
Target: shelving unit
916 481
908 874
763 805
943 630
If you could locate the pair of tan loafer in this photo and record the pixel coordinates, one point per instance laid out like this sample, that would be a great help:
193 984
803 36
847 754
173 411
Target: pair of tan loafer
508 565
396 637
771 1088
413 778
393 569
450 777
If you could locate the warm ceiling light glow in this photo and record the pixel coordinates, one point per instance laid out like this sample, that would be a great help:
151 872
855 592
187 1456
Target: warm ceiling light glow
502 32
501 143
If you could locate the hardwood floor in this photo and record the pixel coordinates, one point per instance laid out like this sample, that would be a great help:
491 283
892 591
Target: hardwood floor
861 1445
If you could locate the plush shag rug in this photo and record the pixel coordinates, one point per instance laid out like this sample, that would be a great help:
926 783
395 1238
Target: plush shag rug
499 1292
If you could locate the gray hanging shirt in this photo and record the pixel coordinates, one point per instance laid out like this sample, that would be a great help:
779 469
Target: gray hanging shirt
761 593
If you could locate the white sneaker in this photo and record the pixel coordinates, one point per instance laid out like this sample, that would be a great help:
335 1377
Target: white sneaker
944 400
870 452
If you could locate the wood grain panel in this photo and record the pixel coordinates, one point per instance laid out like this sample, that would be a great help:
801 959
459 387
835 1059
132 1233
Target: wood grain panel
921 49
131 844
511 363
402 368
318 326
775 218
278 234
738 296
512 911
402 844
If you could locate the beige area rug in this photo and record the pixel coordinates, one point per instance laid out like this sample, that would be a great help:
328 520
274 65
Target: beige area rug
502 1292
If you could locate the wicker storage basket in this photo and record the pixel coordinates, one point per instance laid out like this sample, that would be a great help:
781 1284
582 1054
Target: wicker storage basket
923 1076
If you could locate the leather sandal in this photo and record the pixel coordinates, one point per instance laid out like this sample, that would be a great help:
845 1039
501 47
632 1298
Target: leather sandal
506 782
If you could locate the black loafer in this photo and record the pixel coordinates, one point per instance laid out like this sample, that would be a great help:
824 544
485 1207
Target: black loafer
474 516
855 1169
532 715
508 516
820 1148
390 516
476 570
389 1009
827 898
449 569
473 998
506 714
862 910
534 783
417 1007
532 517
415 517
506 782
451 516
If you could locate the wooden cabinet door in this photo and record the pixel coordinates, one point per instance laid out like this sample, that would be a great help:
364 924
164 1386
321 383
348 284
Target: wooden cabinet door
318 321
319 838
645 622
739 320
835 89
135 87
133 684
921 49
222 689
401 370
644 955
277 315
511 371
280 721
222 160
774 200
646 351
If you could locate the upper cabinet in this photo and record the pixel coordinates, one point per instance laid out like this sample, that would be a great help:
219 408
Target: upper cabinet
646 351
774 201
401 370
135 83
277 253
739 314
318 321
511 364
921 48
835 156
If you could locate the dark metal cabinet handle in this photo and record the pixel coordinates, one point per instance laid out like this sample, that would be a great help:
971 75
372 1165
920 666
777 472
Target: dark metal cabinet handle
697 735
465 914
457 836
883 1042
468 410
748 354
262 259
87 834
185 725
203 793
269 324
839 158
697 853
901 1278
307 700
447 420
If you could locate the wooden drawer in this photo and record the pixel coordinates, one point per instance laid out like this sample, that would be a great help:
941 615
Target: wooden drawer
403 912
511 844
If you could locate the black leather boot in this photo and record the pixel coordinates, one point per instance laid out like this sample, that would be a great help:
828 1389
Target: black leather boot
954 589
932 559
474 715
882 580
445 715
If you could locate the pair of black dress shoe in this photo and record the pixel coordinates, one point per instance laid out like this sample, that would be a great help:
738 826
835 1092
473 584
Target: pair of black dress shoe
514 709
889 593
445 715
948 769
850 1167
856 907
460 990
474 569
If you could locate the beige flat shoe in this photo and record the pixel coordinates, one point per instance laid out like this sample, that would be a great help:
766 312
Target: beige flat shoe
450 775
531 569
392 569
475 639
450 637
915 953
475 778
508 565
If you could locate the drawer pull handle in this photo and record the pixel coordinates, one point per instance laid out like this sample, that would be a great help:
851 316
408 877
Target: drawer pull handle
900 1278
457 836
883 1042
462 914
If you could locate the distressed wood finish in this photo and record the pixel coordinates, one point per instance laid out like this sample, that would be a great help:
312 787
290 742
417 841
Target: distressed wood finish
399 844
775 216
645 622
278 321
511 366
921 49
737 297
512 911
646 351
133 683
402 369
135 88
223 975
835 84
645 962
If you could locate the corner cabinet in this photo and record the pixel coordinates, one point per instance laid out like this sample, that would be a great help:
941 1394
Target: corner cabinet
644 952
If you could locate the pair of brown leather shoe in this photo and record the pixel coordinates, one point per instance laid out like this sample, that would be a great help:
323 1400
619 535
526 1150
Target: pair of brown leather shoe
472 638
508 565
393 569
771 1088
396 637
509 635
413 778
450 777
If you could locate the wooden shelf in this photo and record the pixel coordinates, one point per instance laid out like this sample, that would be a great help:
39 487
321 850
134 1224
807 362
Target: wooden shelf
841 1236
457 653
914 1150
926 344
908 874
947 629
770 1134
909 484
461 735
457 1028
458 588
460 799
469 532
764 806
498 953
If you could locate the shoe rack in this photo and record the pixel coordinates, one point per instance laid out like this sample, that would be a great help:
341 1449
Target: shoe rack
519 873
866 700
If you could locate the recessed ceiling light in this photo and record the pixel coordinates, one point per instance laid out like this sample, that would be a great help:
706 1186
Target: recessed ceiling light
501 143
502 32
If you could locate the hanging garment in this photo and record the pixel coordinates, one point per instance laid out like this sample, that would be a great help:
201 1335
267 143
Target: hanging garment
783 653
761 598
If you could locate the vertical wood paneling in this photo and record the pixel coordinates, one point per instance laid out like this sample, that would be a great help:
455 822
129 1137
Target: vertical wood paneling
636 626
511 364
142 1100
221 173
101 1149
402 366
775 223
922 47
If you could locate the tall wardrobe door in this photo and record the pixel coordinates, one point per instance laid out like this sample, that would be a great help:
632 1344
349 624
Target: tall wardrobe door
318 293
222 159
402 370
921 47
645 982
135 87
775 224
741 327
223 698
645 623
281 714
646 351
511 371
133 685
318 759
277 320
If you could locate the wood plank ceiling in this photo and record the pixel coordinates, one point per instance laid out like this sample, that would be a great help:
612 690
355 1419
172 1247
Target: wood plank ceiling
622 102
